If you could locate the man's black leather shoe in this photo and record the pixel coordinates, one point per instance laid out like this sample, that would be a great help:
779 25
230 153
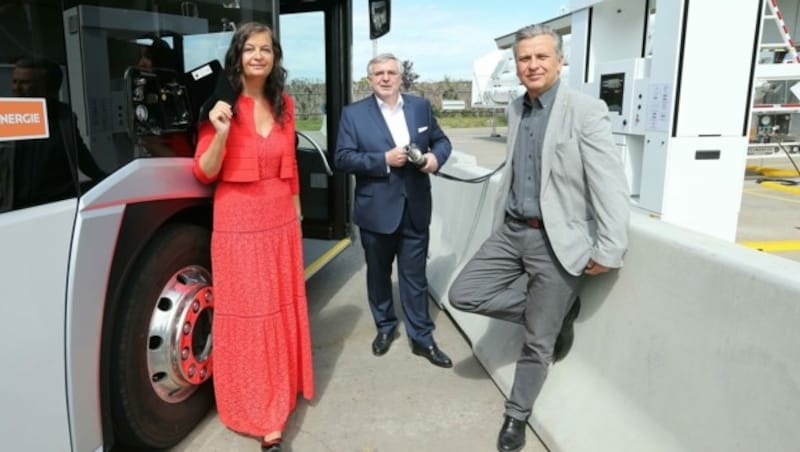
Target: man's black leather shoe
512 435
382 343
432 353
567 334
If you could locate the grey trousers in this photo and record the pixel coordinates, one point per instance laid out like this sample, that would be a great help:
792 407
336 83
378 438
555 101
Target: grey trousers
484 287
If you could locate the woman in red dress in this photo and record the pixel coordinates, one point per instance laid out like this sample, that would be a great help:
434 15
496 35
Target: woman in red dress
262 346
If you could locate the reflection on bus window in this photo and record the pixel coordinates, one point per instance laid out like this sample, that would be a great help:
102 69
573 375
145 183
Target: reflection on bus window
93 126
44 169
133 96
54 162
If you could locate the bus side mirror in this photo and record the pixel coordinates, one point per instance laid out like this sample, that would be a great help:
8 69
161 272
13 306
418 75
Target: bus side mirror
379 18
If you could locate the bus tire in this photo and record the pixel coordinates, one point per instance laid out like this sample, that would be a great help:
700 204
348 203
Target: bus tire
163 280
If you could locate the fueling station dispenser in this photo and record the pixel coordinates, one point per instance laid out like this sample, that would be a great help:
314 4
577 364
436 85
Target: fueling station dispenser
677 77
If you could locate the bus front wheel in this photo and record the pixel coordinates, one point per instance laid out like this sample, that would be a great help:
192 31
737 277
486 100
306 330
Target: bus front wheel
160 375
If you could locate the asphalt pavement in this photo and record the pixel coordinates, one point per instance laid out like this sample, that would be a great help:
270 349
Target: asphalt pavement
392 403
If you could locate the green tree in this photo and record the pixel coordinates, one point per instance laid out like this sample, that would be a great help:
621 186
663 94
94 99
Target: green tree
448 88
409 76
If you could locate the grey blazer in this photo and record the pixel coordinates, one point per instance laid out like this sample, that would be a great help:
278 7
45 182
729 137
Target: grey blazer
584 192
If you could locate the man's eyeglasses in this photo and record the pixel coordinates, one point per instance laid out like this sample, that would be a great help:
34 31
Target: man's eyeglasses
381 74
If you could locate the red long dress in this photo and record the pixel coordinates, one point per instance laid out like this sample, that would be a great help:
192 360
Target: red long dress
261 340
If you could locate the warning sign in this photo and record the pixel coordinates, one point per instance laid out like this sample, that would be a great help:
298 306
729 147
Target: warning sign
23 118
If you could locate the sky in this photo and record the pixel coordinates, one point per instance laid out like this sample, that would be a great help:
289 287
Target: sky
442 38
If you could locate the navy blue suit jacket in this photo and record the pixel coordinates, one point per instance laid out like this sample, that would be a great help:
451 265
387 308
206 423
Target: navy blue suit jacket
381 191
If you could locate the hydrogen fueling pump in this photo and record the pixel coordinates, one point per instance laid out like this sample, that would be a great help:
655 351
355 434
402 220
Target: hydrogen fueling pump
677 77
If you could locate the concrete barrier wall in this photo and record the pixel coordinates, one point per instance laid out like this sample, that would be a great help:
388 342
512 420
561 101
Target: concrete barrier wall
692 346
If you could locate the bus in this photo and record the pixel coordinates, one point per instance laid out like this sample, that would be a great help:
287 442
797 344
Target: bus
105 278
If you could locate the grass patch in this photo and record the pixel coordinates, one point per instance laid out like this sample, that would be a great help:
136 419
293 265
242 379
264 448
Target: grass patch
461 122
312 124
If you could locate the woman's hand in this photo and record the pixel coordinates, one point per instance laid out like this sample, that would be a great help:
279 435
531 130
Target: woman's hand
220 117
297 208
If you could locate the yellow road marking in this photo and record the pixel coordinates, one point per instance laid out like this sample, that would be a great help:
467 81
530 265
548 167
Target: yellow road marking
325 258
773 246
794 189
772 172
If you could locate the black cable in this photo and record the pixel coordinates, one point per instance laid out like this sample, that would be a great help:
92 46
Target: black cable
780 144
474 180
787 182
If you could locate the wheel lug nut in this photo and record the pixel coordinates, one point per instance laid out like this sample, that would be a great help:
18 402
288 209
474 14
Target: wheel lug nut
187 328
203 372
192 370
195 306
185 353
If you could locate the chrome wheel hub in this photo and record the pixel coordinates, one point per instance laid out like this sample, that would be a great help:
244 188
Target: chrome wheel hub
179 336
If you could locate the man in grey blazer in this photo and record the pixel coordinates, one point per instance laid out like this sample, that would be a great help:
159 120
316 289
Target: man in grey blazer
562 212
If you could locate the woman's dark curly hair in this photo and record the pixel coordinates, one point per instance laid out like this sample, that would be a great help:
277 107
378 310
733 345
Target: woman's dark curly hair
276 81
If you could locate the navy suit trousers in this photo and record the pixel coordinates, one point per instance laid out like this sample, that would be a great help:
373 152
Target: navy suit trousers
410 245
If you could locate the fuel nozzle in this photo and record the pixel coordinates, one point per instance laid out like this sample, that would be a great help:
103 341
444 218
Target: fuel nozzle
415 156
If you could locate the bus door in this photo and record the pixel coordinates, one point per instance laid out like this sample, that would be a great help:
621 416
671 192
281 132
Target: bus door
315 40
44 167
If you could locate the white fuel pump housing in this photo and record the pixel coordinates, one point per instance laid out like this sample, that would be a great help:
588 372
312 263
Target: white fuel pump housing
678 97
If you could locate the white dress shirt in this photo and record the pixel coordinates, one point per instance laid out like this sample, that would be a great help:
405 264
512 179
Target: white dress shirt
396 120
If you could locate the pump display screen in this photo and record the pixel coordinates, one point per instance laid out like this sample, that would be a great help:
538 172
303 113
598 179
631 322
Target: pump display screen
612 87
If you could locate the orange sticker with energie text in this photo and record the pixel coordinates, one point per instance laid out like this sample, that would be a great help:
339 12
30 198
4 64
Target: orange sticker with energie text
23 118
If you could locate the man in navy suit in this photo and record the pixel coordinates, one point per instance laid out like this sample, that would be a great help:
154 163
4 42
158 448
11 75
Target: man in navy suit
393 200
